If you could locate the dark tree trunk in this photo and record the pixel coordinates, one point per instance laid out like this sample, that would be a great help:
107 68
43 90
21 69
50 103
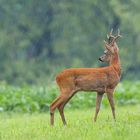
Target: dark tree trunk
45 41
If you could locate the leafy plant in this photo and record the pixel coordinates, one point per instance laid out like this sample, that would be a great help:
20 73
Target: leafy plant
37 98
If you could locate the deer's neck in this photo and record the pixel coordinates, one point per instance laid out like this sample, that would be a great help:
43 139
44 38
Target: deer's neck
115 62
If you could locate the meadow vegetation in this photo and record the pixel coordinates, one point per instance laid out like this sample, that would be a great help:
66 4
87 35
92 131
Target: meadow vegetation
25 114
37 99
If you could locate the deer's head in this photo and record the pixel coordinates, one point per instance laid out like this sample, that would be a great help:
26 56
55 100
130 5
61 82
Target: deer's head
111 47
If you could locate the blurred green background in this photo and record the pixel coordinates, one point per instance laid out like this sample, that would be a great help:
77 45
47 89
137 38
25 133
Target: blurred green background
40 38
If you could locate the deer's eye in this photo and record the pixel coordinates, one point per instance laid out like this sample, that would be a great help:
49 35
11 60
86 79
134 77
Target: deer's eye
105 52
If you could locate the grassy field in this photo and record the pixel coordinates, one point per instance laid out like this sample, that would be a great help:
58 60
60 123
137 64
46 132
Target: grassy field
80 125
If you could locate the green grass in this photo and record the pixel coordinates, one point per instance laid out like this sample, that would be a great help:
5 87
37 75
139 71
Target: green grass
80 125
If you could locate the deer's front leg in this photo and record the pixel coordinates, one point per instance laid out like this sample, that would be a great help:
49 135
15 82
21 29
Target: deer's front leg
98 104
111 101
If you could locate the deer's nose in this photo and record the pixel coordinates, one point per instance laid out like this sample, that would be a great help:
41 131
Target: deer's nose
100 59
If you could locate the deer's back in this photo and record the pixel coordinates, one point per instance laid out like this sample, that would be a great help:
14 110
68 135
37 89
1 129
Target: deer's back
88 79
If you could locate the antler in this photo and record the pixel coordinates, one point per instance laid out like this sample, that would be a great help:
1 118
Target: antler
111 32
114 38
118 36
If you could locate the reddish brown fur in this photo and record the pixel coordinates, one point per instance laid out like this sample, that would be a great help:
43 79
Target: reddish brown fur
102 80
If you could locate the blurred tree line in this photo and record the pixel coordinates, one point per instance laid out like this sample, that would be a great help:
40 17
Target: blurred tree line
39 38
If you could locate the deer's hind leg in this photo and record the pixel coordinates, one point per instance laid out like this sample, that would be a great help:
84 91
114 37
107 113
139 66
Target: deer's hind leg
61 107
53 106
59 103
67 88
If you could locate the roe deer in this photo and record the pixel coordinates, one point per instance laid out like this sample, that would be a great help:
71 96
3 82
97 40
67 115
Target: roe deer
101 80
